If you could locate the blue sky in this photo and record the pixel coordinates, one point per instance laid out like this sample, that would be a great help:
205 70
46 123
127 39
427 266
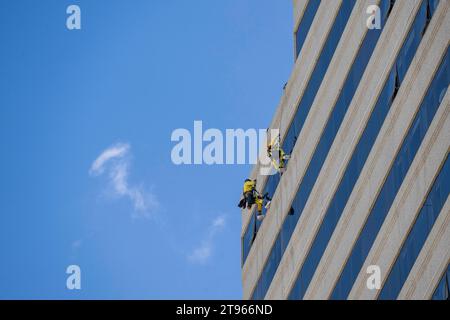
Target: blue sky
138 226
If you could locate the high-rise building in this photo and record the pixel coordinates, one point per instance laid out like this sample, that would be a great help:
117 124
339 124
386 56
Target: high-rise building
362 210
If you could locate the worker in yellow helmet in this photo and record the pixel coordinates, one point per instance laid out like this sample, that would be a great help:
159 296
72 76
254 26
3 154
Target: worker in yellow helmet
248 193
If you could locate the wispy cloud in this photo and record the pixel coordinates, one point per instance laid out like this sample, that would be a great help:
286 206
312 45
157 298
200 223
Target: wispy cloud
202 253
116 161
117 151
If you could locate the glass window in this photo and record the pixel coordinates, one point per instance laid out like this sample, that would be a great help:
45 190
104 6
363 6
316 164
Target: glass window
397 173
320 154
355 164
417 236
305 25
442 291
351 174
306 101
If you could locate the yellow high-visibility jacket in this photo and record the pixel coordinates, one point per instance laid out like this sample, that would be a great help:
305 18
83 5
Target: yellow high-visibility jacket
249 186
259 203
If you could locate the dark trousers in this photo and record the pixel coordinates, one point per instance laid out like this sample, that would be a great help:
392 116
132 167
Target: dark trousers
249 199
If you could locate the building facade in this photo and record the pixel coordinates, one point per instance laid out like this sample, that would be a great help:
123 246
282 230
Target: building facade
362 210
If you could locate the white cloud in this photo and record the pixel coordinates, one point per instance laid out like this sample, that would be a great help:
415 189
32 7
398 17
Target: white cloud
219 222
117 151
116 161
203 253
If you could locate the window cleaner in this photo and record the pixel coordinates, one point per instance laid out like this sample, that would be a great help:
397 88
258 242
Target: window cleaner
248 194
252 196
277 155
